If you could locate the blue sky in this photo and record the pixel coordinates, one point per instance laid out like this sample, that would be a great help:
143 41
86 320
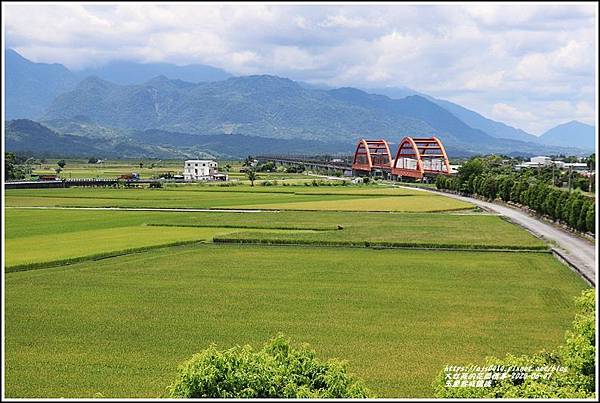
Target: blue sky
529 65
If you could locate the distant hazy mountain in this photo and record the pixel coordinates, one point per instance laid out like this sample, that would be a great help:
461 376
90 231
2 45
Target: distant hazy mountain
272 107
423 117
569 134
221 145
310 86
237 145
489 126
265 106
471 118
31 87
87 140
125 72
393 92
26 136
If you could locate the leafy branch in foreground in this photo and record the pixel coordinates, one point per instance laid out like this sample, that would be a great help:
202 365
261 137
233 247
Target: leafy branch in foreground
577 356
277 370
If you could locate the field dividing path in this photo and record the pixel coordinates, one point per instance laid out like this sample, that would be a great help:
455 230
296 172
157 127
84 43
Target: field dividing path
179 210
578 251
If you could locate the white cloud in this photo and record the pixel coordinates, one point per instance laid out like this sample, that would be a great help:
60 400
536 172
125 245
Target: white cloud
293 58
506 112
490 81
342 21
514 62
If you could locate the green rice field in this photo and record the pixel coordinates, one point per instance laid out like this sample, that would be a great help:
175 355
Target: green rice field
390 200
121 326
108 302
36 236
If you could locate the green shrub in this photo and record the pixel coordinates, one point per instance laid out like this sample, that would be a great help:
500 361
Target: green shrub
590 219
575 211
504 188
581 223
549 204
490 187
441 182
561 205
540 193
577 356
11 169
516 193
278 370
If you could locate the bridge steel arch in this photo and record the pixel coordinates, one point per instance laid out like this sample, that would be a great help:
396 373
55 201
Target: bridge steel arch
417 157
372 155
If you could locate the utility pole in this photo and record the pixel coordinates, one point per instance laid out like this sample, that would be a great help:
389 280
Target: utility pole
570 174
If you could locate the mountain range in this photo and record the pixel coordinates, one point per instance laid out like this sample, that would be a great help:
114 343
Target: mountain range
471 118
88 140
31 87
199 109
572 132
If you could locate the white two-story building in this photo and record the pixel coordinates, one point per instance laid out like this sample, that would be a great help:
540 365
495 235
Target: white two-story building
202 170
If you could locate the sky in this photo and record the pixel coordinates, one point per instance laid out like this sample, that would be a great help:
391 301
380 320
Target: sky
529 65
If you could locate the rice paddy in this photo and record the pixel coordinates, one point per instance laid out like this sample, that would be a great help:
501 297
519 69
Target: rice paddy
125 296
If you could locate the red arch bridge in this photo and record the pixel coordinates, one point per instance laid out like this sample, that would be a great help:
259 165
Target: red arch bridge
416 157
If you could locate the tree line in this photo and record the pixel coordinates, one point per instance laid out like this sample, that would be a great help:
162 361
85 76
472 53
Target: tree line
492 179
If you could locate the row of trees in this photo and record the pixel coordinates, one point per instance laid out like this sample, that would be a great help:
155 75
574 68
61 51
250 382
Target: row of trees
477 177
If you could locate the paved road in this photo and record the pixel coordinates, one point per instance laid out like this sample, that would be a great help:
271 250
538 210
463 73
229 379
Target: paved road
580 252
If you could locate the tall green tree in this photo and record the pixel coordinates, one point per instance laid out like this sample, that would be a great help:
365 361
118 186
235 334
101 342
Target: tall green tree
581 223
575 211
251 174
591 162
468 171
504 188
516 190
561 205
590 219
549 204
527 194
11 169
490 187
541 191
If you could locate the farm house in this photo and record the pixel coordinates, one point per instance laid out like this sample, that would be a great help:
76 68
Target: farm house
202 170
